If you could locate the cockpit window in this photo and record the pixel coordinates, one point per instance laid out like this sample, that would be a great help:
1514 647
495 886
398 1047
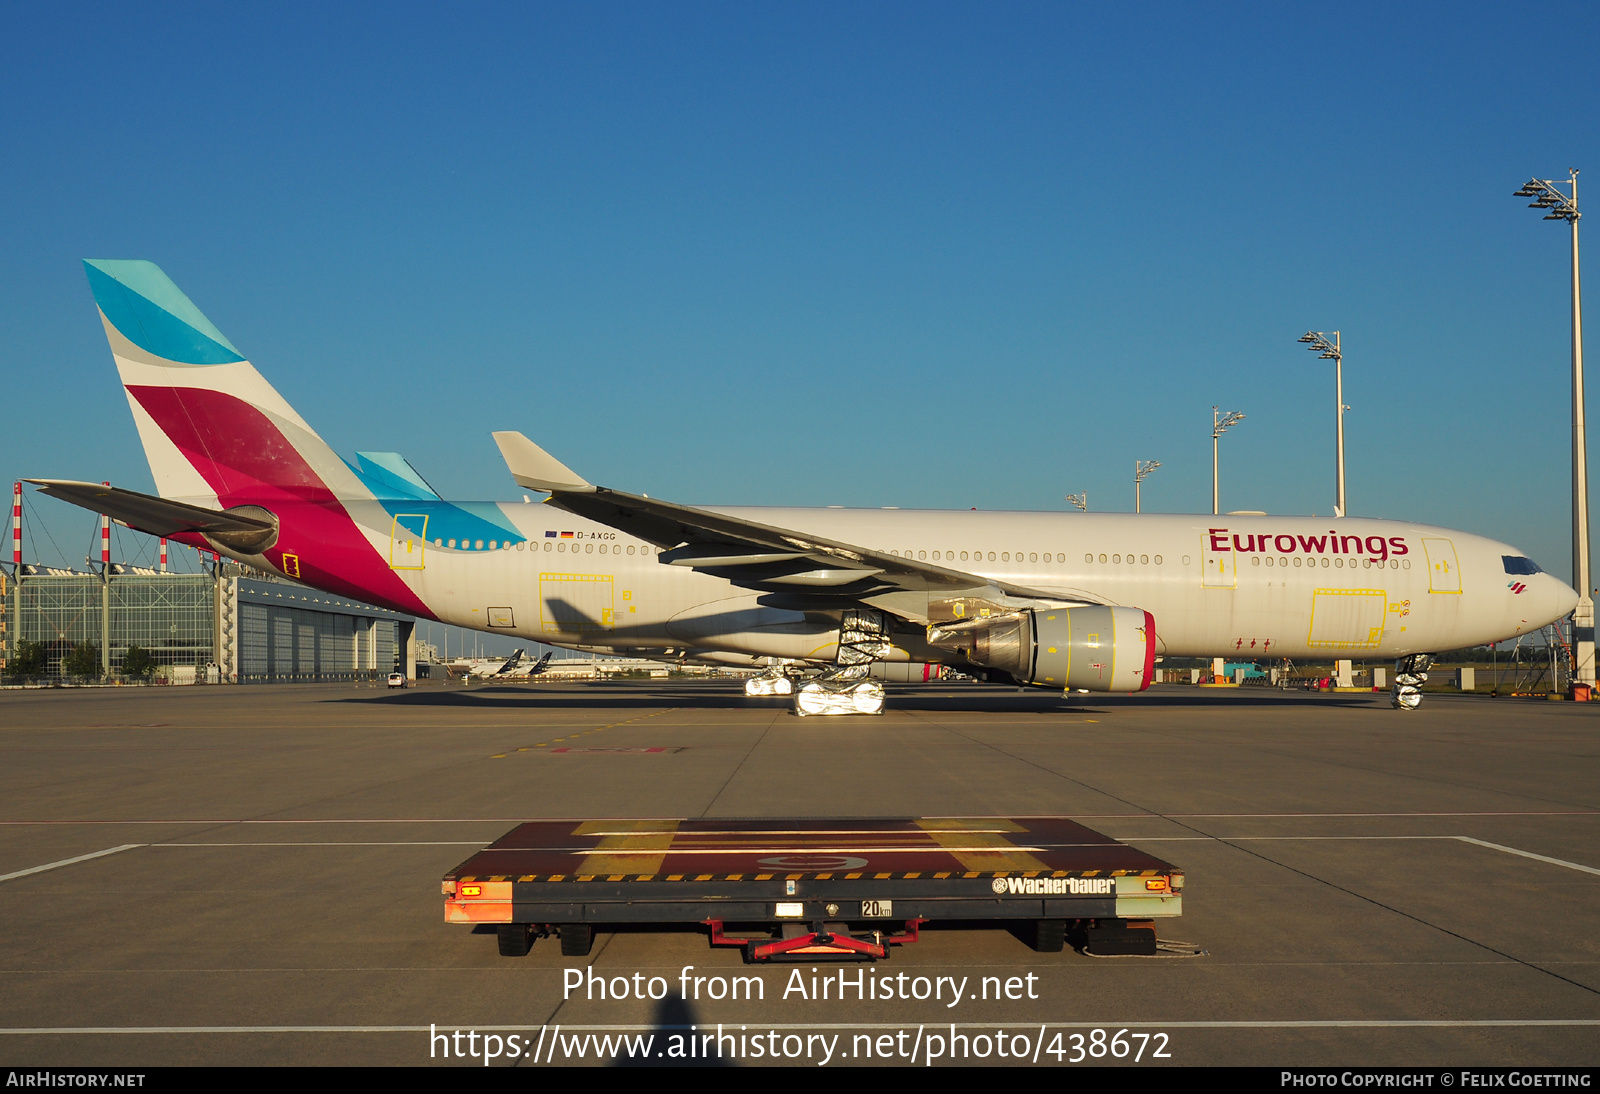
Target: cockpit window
1516 564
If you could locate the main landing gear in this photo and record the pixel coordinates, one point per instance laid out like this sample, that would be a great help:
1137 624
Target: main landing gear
771 682
1410 673
844 687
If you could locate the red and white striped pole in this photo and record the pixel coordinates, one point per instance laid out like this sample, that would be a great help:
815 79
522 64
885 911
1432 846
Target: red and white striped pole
105 537
163 554
16 525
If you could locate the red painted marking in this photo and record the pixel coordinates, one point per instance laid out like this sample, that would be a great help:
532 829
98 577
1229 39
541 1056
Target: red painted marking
246 460
1149 650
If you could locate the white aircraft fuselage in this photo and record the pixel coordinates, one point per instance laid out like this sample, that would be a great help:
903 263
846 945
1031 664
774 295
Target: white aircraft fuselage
1245 586
1065 600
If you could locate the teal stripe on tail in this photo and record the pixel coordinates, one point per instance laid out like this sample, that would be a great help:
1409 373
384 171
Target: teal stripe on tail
152 313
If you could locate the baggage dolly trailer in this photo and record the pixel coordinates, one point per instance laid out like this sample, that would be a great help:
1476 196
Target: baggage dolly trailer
810 889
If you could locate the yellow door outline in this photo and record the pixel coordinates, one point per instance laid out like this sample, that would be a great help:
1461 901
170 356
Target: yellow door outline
406 547
1444 571
1216 567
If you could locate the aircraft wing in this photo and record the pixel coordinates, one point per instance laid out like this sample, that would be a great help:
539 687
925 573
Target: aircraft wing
157 516
795 570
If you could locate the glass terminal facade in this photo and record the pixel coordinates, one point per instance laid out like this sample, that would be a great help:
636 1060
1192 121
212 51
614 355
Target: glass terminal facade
252 629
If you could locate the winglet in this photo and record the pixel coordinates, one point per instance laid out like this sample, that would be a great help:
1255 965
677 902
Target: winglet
535 468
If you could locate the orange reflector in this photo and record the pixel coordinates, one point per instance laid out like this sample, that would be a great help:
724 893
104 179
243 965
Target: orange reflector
1156 884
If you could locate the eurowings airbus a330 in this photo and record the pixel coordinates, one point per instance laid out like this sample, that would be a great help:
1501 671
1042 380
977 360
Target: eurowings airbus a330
817 596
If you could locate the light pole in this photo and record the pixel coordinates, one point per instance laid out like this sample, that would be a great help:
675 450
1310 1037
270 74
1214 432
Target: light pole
1219 426
1080 500
1141 471
1319 344
1546 195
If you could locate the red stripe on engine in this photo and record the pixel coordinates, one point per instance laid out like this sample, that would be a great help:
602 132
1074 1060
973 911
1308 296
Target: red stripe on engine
1149 650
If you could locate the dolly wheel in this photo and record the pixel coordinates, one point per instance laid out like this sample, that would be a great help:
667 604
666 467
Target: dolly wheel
1049 935
516 939
576 939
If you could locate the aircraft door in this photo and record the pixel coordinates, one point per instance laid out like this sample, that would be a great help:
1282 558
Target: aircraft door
1217 567
408 539
1444 574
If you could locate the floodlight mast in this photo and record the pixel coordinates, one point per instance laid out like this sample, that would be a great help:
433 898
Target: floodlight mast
1318 343
1219 426
1547 195
1081 501
1141 471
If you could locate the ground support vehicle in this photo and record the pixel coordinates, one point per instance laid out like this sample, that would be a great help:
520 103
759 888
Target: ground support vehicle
809 889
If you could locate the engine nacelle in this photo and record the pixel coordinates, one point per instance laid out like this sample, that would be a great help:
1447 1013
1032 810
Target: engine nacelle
1094 648
907 672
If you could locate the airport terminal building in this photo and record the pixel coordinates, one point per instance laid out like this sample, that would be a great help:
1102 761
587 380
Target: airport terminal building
227 625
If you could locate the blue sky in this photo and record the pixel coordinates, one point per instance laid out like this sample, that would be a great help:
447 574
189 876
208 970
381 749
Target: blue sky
917 255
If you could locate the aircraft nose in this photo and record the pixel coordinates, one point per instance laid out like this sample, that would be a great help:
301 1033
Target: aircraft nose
1558 597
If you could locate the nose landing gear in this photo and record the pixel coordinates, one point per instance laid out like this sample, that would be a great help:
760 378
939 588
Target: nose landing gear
1410 673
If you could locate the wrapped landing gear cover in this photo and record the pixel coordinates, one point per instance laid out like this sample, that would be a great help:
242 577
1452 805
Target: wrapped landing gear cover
845 688
839 697
1410 673
764 685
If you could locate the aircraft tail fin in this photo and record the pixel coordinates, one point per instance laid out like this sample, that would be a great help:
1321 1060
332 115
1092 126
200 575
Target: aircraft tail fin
390 475
211 426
